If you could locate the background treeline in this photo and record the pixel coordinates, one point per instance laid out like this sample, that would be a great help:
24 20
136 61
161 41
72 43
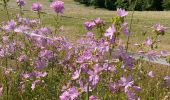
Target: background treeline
155 5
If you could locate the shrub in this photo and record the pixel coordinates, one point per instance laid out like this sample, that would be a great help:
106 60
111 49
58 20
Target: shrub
110 4
86 2
98 3
122 4
166 4
156 5
129 4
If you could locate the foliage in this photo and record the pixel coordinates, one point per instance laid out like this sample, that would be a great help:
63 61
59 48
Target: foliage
110 4
129 4
166 4
122 4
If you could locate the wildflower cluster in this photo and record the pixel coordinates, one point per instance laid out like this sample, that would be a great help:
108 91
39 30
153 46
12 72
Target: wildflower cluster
35 61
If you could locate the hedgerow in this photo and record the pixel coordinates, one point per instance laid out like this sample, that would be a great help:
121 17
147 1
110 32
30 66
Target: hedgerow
154 5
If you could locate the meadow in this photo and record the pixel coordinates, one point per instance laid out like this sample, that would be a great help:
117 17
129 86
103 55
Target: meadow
64 75
79 13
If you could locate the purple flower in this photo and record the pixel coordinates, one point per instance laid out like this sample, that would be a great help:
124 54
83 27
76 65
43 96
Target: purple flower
97 68
76 74
84 68
164 53
46 54
108 67
151 74
141 51
159 28
65 96
23 21
84 87
5 39
152 53
114 87
126 82
167 79
21 29
10 26
137 88
70 94
2 52
148 42
21 2
34 84
92 97
58 6
125 29
90 34
41 63
22 58
131 95
8 71
89 25
41 42
39 74
98 21
127 59
121 12
110 32
94 77
1 90
45 30
36 7
26 75
87 54
73 93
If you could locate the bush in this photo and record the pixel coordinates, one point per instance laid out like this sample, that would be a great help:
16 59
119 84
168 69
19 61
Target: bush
122 4
166 4
86 2
110 4
139 5
98 3
156 5
129 4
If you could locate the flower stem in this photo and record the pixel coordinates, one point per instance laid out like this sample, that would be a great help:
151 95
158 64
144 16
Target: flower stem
57 23
21 13
6 79
88 93
131 21
39 16
6 9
